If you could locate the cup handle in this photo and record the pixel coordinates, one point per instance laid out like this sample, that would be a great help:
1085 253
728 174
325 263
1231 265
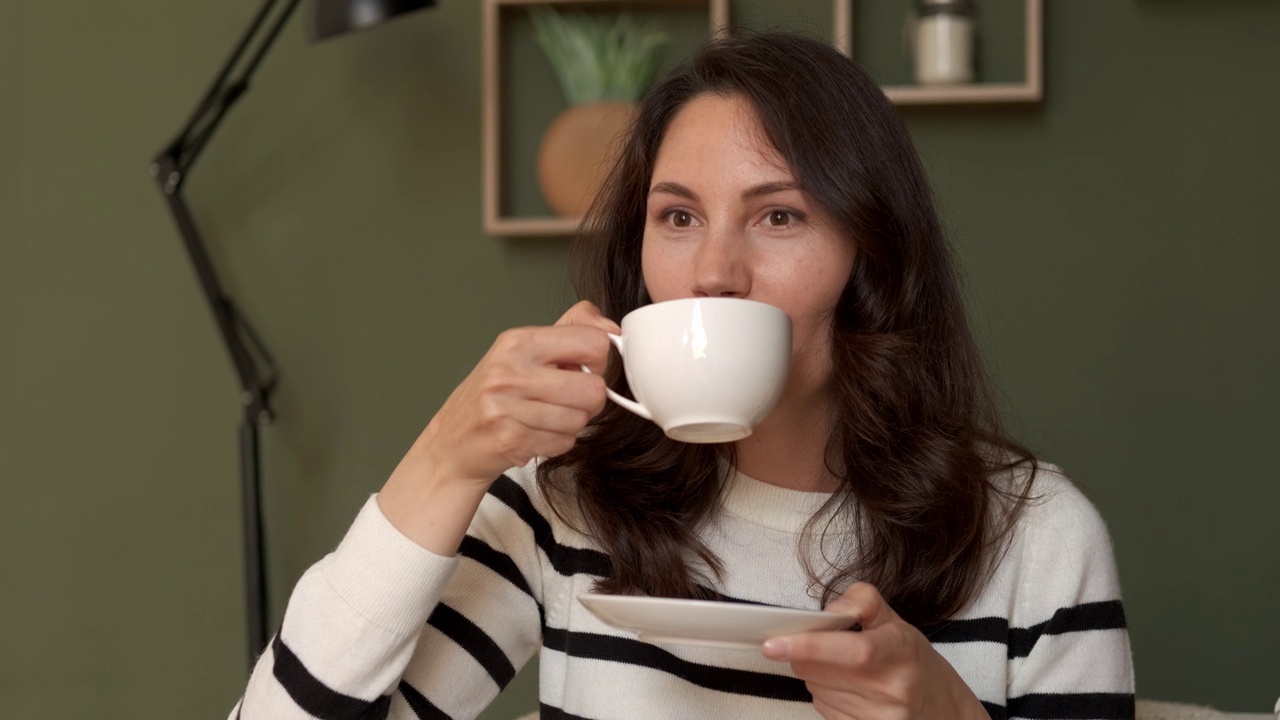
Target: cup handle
626 404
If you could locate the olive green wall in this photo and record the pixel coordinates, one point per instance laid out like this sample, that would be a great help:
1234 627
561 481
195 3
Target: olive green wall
1119 239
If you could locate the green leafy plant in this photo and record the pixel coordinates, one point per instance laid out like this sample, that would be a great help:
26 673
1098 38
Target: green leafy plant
596 59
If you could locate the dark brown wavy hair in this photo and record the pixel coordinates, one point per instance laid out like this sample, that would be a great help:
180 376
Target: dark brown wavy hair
930 483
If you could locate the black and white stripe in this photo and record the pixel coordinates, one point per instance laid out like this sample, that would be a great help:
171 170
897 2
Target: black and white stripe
1051 706
565 559
610 648
1103 615
550 712
475 641
317 698
422 708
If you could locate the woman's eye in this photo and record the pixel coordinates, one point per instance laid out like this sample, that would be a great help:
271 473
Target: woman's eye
679 218
779 218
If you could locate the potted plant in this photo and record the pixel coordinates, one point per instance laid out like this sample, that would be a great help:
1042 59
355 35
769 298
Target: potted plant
603 68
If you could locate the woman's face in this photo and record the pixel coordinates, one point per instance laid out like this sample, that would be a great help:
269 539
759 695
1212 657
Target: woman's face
726 218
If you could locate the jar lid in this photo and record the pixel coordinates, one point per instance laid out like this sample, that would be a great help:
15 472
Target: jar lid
940 7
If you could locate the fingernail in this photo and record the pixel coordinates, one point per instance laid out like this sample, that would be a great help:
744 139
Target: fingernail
777 648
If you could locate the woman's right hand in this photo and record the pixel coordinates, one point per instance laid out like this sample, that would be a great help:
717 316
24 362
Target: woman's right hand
527 397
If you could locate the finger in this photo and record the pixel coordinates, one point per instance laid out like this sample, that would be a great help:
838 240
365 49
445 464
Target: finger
568 387
864 601
551 417
842 649
522 443
586 313
583 345
840 705
557 345
544 443
824 708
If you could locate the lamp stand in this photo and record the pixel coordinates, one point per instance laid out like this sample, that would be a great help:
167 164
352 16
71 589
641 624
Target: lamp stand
255 370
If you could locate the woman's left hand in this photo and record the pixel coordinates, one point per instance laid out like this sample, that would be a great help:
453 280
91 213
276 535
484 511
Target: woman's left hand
888 671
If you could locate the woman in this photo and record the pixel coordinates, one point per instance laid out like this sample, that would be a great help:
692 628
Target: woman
767 167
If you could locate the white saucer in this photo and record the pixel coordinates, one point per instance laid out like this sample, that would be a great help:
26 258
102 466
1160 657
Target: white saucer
707 623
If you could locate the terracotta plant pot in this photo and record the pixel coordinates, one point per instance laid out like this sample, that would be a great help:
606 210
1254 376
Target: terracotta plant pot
576 153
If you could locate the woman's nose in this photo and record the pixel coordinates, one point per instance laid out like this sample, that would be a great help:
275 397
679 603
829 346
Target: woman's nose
721 268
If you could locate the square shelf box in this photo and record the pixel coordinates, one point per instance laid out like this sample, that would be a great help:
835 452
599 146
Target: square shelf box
511 205
1030 90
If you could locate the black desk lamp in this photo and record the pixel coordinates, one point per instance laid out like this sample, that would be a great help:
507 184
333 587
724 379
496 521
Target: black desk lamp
256 370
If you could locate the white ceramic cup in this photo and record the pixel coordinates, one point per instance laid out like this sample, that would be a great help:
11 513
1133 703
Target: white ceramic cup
706 370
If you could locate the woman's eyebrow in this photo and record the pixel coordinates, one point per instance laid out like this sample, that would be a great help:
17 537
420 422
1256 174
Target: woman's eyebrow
673 188
769 188
755 191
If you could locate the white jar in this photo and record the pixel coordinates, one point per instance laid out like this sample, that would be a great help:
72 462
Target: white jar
941 38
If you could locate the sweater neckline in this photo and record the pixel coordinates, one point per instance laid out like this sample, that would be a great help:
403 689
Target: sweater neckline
771 506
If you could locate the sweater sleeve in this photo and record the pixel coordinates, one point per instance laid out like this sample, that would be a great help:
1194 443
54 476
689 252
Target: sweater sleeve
382 627
1069 654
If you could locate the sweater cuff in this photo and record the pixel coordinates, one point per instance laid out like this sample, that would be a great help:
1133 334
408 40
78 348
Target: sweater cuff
388 579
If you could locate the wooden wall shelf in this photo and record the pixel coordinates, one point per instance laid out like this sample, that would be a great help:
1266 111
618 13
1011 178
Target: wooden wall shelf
499 221
1031 89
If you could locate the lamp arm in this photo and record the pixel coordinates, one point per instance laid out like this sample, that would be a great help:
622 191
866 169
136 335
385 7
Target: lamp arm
223 92
170 168
255 368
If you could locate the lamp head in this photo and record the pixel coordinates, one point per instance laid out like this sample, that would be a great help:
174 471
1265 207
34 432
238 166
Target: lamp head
337 17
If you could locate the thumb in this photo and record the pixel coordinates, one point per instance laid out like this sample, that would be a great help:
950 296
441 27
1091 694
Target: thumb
586 313
863 601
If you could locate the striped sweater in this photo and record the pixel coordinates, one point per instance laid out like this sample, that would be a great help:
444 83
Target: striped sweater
384 628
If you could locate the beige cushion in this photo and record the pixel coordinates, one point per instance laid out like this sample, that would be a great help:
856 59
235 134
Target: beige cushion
1147 710
1152 710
